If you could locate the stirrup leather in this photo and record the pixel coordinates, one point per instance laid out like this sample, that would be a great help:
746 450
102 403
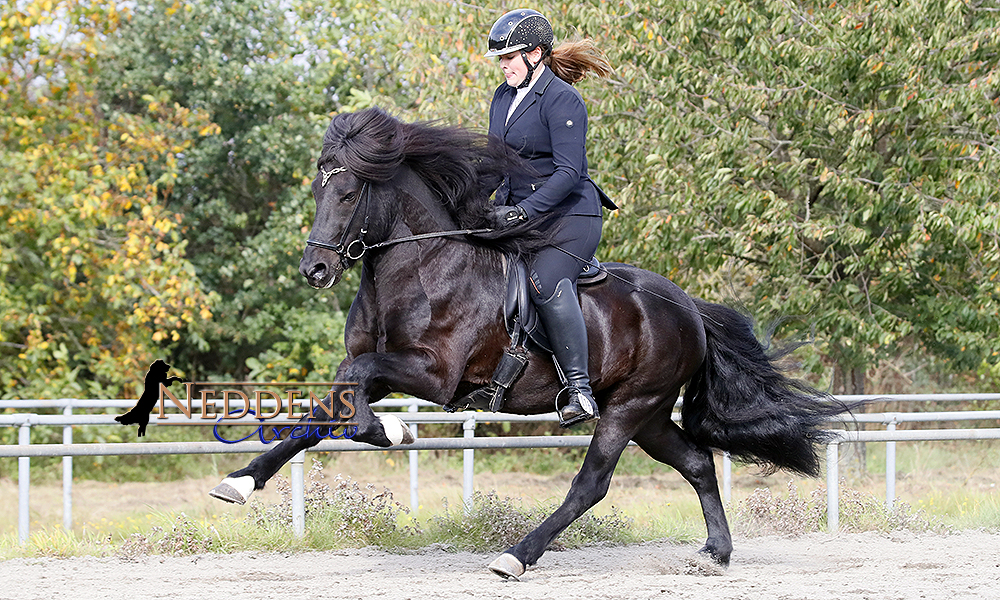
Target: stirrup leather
513 361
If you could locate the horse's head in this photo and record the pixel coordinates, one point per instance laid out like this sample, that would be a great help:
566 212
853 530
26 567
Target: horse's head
360 150
337 236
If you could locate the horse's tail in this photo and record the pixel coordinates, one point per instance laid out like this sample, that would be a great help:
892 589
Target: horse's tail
740 402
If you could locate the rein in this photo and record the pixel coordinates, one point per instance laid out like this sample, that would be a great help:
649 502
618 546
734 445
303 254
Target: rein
357 248
349 252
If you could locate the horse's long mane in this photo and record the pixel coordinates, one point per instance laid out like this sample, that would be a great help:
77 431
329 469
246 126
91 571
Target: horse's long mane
461 166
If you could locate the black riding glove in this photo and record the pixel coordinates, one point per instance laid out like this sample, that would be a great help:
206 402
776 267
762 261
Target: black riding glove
505 216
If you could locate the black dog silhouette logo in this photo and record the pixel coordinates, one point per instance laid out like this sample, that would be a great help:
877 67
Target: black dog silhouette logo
139 414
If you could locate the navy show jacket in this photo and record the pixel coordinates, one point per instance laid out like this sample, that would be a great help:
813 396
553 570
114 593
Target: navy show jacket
549 129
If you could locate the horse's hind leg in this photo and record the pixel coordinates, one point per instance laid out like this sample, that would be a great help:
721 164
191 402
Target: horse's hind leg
589 486
666 442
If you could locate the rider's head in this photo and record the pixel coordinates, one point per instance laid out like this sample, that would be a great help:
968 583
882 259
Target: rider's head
522 39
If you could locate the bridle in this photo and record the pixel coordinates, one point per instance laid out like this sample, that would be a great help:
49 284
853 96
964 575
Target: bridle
354 250
347 252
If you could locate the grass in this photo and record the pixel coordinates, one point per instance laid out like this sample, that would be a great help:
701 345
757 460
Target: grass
339 514
941 486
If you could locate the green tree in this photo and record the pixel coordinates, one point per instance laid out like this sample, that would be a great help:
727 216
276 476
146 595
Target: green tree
93 274
267 76
834 160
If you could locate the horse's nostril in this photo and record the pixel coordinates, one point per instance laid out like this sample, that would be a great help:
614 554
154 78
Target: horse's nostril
317 272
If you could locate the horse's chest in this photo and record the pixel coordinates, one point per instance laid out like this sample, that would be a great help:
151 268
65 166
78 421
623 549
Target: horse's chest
403 310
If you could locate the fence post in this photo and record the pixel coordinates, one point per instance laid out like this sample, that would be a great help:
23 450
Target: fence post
468 458
890 468
414 476
24 483
67 471
727 477
298 494
832 491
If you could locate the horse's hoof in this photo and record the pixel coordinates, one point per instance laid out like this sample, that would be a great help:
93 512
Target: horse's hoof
396 430
234 489
507 566
721 559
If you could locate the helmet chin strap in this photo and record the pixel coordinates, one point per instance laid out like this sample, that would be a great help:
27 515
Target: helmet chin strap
531 69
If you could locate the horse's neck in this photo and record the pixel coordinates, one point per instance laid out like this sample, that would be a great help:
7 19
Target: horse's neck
420 211
417 211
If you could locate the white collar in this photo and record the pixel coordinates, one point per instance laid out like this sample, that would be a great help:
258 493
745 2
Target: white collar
523 92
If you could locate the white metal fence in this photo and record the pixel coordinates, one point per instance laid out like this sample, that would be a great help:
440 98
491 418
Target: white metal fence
24 450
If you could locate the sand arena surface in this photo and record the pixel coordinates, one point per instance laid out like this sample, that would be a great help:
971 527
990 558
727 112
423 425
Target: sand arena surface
897 566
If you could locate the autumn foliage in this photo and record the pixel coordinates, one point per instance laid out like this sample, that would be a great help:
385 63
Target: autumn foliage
834 162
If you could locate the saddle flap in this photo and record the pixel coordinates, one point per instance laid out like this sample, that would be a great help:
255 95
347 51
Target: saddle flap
519 310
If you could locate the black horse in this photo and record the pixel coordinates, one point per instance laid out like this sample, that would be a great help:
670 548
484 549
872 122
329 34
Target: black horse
428 321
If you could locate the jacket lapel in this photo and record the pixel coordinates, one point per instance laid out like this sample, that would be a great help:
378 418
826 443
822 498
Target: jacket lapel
497 126
539 88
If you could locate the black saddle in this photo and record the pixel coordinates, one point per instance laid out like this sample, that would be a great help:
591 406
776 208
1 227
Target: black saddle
519 311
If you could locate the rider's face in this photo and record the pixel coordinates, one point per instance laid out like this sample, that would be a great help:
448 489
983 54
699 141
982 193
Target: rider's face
513 67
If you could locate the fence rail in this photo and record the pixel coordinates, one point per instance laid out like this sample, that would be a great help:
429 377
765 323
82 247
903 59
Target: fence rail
24 450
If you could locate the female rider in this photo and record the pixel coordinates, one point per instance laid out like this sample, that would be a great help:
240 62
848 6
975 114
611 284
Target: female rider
539 114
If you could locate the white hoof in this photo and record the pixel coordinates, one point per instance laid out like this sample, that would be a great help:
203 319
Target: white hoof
507 566
396 430
234 489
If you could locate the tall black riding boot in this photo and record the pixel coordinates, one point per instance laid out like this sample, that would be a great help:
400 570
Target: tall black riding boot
563 321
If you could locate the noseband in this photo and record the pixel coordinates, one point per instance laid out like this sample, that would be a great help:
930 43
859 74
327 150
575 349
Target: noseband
357 248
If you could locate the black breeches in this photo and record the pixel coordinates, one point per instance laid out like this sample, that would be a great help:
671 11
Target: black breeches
577 234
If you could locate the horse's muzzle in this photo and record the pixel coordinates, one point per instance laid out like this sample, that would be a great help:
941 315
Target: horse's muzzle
318 273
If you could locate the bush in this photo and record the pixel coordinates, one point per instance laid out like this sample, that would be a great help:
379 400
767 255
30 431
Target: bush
762 513
343 512
493 524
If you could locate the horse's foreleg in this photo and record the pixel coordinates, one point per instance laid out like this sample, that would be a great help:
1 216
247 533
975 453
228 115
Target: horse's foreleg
666 442
239 485
373 375
589 486
378 374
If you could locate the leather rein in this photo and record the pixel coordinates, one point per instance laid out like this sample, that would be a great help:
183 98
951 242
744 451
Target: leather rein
354 250
348 252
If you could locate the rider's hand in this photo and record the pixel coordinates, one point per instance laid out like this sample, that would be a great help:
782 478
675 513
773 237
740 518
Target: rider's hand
505 216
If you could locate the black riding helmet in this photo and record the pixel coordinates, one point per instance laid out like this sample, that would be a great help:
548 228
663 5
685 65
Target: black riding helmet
521 30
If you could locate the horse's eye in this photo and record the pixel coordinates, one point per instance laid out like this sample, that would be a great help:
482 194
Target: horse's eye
349 197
